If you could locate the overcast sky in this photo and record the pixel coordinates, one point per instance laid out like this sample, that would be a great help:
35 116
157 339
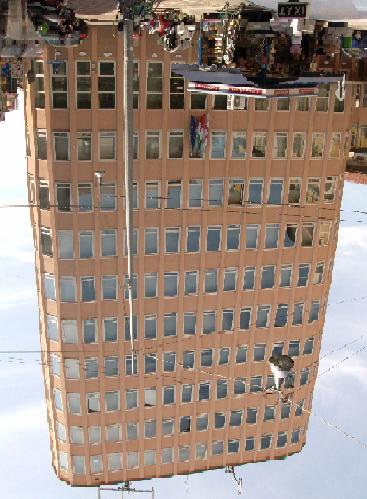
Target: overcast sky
329 467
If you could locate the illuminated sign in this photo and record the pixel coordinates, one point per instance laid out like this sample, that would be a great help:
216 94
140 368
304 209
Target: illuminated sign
297 10
260 93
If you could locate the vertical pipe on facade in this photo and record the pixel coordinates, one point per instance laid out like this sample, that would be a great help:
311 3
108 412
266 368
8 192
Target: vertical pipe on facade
128 163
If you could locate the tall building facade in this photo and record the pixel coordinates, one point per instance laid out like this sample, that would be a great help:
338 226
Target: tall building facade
234 246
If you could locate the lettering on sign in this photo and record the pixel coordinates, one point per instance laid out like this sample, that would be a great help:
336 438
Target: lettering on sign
292 9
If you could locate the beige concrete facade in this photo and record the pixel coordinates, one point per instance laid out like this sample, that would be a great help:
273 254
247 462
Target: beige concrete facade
105 424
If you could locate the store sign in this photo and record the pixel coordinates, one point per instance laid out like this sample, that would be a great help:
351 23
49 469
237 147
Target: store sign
297 10
222 88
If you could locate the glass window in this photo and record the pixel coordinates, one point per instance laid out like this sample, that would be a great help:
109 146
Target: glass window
324 233
293 348
322 101
314 311
193 240
259 145
106 85
195 193
168 398
151 241
239 387
213 238
238 145
65 246
313 190
67 289
108 242
307 234
174 194
59 84
249 278
259 352
69 331
294 191
41 144
275 191
202 422
63 197
319 273
303 273
172 236
186 395
150 327
299 145
255 191
109 287
230 279
215 192
85 198
198 101
154 85
175 144
191 282
52 327
267 277
113 433
61 146
271 236
136 85
83 84
170 281
84 146
127 328
251 416
290 235
298 314
281 317
150 363
245 318
176 91
329 191
204 391
236 192
153 144
188 359
44 195
280 145
107 197
335 145
241 355
227 320
262 316
218 145
233 237
283 104
93 402
304 376
282 439
211 281
251 236
170 324
111 366
250 443
91 368
150 429
308 347
269 413
72 370
152 199
110 329
220 102
208 322
107 145
317 149
46 241
49 286
150 285
88 291
303 103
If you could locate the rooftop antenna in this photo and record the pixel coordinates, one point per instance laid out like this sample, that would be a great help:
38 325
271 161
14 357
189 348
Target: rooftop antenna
238 480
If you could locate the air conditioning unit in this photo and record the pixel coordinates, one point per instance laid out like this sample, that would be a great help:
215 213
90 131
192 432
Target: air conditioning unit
236 102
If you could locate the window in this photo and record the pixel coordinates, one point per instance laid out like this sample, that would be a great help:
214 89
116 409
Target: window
150 363
281 317
223 356
170 282
175 144
313 190
335 144
259 352
293 349
69 331
303 103
304 376
204 391
269 413
219 420
282 439
61 146
134 242
189 323
262 316
151 241
167 426
233 237
202 422
113 433
294 191
299 145
127 328
241 355
172 237
245 318
132 431
93 403
230 279
108 242
88 291
84 146
49 286
136 85
132 460
267 277
63 197
307 234
255 191
193 240
208 322
59 84
76 435
295 436
110 329
65 242
290 236
155 85
44 195
83 84
52 328
67 289
106 85
185 424
285 410
278 348
251 416
201 450
153 144
220 102
215 192
250 443
319 273
111 366
191 278
109 287
41 144
186 394
91 368
188 359
213 239
251 236
322 101
239 387
238 145
85 199
317 149
150 429
169 323
283 104
114 461
259 145
227 320
177 91
338 106
107 145
303 273
37 67
308 347
262 104
46 241
314 311
150 327
89 331
211 281
298 314
256 384
218 145
235 192
280 145
168 395
174 194
107 197
150 397
195 193
271 236
152 195
86 244
63 460
324 233
275 191
329 191
131 365
198 101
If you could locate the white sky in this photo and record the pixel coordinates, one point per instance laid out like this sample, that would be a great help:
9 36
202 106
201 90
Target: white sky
329 467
